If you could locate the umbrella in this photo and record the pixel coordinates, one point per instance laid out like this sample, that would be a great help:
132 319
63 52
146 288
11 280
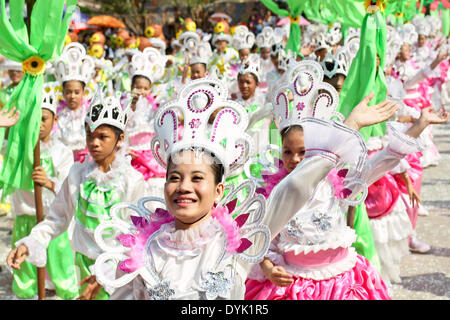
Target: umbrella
303 21
106 21
219 16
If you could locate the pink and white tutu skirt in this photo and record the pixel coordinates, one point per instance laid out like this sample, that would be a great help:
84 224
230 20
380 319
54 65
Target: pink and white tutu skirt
362 282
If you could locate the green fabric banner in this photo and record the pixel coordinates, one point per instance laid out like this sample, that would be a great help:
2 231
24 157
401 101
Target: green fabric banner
49 23
364 77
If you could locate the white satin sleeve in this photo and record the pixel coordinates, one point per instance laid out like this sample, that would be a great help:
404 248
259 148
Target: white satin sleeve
292 193
336 143
420 76
63 162
389 158
56 221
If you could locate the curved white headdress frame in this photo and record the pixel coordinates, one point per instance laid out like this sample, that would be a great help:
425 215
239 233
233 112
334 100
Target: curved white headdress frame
242 38
197 101
74 64
149 63
265 39
407 33
311 96
337 63
106 110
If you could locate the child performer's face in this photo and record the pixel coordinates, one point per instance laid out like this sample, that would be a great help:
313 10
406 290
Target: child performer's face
73 93
247 85
142 85
243 54
103 142
221 45
422 40
265 53
337 81
405 52
191 189
48 120
15 76
198 71
293 149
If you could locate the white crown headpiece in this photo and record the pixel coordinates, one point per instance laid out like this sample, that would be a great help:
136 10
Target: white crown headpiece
336 63
265 38
277 48
422 26
242 38
334 35
221 36
435 24
158 44
149 63
393 45
225 137
251 65
107 110
50 96
284 59
74 64
11 65
311 96
189 40
321 42
408 34
198 50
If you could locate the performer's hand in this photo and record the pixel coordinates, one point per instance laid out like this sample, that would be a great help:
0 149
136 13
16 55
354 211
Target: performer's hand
427 117
414 197
430 117
91 290
279 277
39 176
276 274
17 256
440 57
8 119
364 115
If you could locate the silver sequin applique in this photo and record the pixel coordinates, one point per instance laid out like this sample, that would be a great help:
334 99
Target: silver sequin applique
293 229
216 285
321 221
161 291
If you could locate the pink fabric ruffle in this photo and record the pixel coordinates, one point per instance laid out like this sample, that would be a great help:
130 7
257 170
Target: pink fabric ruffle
415 173
146 164
144 229
381 197
362 282
272 179
63 104
81 155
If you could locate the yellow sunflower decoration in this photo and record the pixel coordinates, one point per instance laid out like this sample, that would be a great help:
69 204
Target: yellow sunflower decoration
221 27
373 6
295 20
34 66
96 50
67 40
149 32
191 26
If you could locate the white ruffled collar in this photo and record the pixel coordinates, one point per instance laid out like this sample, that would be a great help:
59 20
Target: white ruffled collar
189 242
115 176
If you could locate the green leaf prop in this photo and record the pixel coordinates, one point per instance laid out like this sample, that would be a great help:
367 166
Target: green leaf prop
364 76
49 23
295 9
